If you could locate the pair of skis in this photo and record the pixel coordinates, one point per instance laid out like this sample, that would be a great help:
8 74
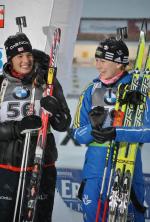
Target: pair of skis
124 169
34 184
118 121
124 155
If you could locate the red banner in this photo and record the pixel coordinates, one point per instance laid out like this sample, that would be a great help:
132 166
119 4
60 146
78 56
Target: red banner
2 12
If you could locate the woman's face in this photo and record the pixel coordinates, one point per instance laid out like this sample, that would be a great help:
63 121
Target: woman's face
23 63
107 69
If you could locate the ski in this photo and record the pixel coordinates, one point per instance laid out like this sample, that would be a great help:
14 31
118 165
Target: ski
132 149
124 169
119 113
118 121
42 134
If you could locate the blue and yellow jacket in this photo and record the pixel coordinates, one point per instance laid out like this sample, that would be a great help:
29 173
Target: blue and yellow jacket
96 153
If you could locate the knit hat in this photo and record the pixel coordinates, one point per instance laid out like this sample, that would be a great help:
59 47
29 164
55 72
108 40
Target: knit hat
113 50
17 44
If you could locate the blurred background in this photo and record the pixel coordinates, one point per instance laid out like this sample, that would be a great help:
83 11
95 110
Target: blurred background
84 23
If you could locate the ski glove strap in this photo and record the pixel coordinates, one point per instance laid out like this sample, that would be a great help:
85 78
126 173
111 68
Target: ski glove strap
97 117
104 134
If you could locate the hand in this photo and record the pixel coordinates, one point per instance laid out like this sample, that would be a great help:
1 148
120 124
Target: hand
97 117
133 97
50 104
104 134
41 66
29 124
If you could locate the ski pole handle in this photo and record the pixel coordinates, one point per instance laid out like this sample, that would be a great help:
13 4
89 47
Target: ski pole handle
21 21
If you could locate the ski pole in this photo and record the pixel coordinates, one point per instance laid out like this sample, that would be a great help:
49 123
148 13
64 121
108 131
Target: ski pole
102 185
106 203
21 21
28 136
24 160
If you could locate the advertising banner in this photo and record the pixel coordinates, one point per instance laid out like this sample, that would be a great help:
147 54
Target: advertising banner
2 16
68 183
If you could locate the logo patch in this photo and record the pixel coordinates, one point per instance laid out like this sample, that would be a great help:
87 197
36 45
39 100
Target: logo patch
117 59
106 47
86 200
21 93
110 97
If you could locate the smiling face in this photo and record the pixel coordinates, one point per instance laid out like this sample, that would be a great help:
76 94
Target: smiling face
107 69
23 63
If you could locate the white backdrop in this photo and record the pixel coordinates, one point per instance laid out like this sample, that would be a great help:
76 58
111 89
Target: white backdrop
42 16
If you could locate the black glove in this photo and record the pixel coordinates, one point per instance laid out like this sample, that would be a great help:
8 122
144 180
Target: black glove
104 134
29 124
97 117
133 97
41 66
50 104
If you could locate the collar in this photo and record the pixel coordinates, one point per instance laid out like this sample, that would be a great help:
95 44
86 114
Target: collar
112 80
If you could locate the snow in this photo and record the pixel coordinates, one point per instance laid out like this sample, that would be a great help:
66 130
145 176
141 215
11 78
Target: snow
63 213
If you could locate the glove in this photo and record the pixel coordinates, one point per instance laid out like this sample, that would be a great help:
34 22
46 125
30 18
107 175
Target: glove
50 104
97 117
29 124
104 134
41 66
133 97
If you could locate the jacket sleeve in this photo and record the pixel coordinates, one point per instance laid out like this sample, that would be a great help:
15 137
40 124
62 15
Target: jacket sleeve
133 134
61 121
82 127
136 134
9 131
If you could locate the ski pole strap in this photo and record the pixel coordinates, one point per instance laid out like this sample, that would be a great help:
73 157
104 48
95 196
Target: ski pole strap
136 202
107 144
